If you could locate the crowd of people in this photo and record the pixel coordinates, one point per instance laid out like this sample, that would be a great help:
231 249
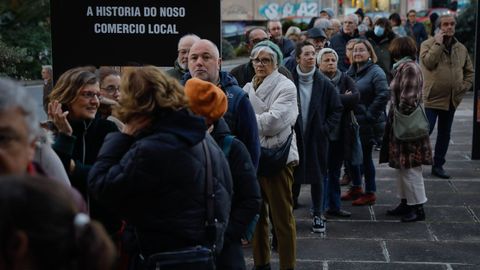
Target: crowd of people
136 164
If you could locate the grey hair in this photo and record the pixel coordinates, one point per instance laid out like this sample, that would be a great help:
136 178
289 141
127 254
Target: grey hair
322 23
13 95
193 36
448 15
257 50
324 51
353 17
48 67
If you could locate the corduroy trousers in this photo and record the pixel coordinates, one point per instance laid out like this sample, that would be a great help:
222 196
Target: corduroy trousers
277 196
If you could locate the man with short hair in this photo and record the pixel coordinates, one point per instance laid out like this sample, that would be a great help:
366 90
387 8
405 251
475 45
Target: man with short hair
204 63
274 27
244 73
339 41
327 13
316 37
415 29
180 66
47 77
448 74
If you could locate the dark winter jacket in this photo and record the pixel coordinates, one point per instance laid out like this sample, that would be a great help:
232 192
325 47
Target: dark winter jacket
349 102
323 120
339 43
286 45
372 85
240 116
246 190
176 72
244 73
417 32
156 181
83 147
380 45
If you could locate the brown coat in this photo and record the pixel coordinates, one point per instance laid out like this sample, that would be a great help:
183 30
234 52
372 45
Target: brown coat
448 75
406 88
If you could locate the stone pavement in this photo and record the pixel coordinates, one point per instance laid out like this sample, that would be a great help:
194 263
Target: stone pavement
448 239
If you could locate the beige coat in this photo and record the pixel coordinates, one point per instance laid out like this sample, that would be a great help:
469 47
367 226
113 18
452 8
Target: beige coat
447 76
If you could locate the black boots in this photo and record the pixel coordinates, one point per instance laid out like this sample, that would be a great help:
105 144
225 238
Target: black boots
416 213
400 210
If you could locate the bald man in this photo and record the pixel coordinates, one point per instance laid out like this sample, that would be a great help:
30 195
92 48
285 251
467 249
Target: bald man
204 63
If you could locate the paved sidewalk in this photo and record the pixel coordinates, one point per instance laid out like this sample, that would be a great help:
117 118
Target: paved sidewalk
448 239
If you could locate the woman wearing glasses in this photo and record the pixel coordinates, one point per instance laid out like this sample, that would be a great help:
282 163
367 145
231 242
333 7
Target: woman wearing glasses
274 100
371 82
110 93
74 102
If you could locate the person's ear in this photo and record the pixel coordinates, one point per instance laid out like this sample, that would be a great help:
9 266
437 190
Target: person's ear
219 62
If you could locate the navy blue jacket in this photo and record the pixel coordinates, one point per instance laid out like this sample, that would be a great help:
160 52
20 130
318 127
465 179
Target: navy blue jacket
339 43
246 190
240 116
371 82
156 181
417 32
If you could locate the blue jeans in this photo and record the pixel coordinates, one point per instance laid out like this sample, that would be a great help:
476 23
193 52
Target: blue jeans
445 120
367 169
332 185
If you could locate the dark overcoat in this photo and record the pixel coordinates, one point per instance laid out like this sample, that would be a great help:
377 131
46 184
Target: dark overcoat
323 122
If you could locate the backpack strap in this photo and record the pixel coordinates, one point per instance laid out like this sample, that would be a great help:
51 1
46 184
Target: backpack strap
227 145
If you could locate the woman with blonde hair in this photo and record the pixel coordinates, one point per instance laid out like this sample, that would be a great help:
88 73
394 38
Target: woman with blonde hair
371 83
154 172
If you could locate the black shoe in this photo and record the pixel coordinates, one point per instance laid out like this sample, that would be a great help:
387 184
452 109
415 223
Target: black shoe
339 213
401 210
439 172
262 267
416 214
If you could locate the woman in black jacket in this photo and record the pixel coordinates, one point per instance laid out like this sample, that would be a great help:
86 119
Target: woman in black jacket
340 148
154 172
79 134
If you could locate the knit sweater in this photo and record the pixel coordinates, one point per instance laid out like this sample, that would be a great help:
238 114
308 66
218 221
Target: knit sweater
305 83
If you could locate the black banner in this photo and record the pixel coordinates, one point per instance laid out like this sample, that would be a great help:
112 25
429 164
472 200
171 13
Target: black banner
127 32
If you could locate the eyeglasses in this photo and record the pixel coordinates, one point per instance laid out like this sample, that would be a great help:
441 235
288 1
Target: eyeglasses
359 51
263 61
111 89
90 95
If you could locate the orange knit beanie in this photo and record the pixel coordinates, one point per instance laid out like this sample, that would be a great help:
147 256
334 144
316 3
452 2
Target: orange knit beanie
206 99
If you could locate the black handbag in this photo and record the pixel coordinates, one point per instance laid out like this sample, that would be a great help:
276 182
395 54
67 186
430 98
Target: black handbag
197 257
273 160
